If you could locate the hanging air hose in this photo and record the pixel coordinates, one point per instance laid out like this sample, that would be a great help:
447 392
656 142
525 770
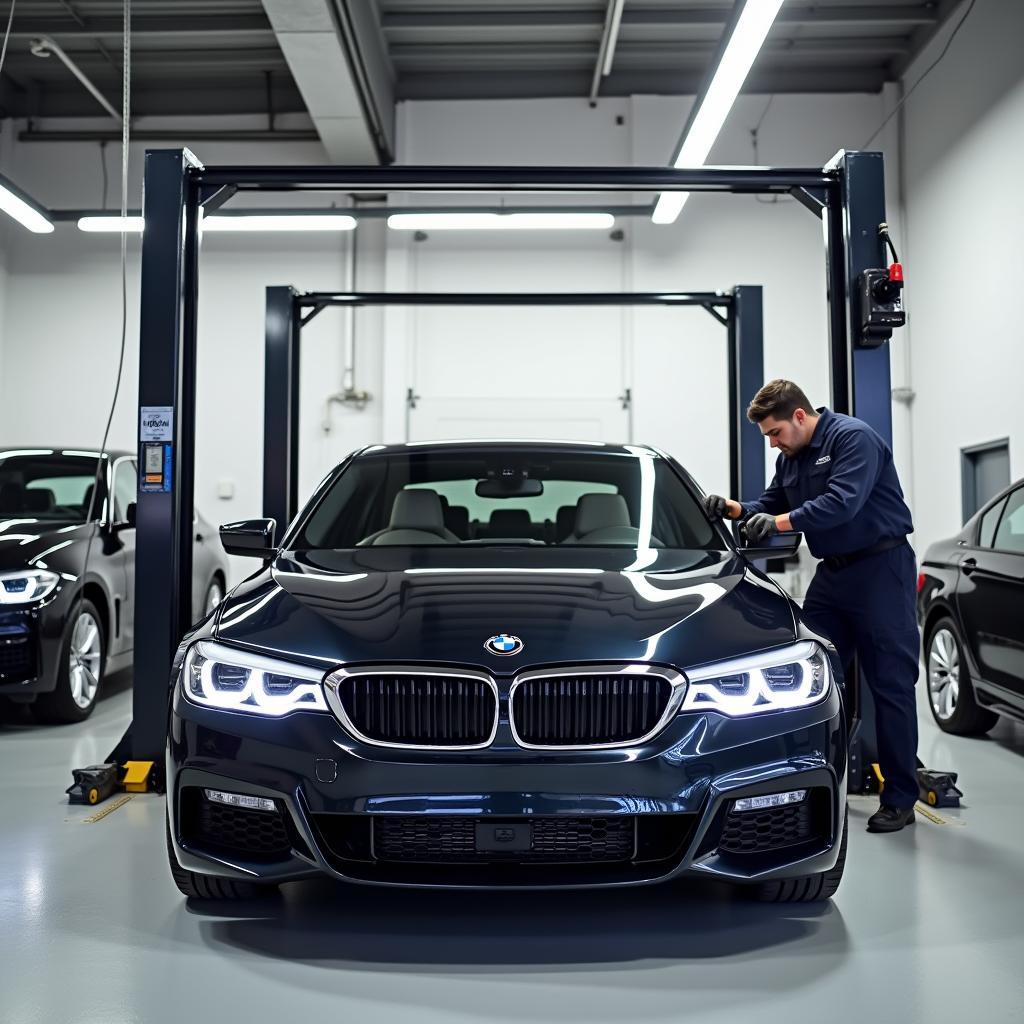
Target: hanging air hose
98 482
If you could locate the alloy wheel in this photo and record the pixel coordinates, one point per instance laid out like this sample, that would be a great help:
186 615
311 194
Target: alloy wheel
944 674
84 660
214 596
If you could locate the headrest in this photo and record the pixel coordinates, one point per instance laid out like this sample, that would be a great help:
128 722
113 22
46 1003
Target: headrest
39 499
12 494
509 522
456 518
565 519
417 509
599 512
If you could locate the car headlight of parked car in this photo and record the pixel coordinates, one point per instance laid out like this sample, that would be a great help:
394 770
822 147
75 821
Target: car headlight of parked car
26 585
793 677
233 680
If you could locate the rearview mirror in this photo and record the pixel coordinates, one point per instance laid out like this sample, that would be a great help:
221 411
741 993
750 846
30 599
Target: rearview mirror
251 538
504 487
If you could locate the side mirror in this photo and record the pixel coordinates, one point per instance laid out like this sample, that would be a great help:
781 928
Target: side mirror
778 546
129 520
252 538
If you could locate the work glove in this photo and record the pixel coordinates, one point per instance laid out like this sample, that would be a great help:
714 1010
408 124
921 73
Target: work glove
760 526
714 506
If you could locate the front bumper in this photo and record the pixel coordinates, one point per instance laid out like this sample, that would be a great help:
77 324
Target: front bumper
332 792
30 644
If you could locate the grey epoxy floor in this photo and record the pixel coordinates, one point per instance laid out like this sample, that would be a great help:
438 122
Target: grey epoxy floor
927 925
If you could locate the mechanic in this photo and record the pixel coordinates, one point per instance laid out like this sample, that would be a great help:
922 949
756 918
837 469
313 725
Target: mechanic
835 482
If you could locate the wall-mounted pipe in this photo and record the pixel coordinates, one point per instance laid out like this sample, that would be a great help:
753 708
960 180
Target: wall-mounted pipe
43 46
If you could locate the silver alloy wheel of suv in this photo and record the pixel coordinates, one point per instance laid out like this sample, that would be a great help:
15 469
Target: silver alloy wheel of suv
944 674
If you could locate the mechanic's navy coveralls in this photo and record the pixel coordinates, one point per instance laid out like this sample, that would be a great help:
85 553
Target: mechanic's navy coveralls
842 492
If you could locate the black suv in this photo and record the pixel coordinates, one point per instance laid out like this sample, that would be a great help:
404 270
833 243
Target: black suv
971 607
505 665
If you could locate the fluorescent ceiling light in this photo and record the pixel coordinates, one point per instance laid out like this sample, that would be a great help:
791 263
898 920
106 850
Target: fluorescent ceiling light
281 222
17 205
270 222
130 224
500 221
744 45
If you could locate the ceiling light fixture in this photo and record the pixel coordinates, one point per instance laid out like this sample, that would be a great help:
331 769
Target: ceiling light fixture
248 222
280 222
133 225
501 221
23 208
711 110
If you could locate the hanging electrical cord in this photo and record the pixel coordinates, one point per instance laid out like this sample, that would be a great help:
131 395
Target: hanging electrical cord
103 169
6 35
931 67
100 462
755 136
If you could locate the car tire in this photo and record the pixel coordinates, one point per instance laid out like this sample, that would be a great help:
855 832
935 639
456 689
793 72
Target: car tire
807 888
944 658
211 887
214 596
82 660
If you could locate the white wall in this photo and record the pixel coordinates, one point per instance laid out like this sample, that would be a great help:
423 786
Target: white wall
964 262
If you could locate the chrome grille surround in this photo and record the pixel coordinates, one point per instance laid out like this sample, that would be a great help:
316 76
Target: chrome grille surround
336 679
676 680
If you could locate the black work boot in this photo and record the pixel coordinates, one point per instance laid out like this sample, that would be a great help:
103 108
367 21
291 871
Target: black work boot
890 819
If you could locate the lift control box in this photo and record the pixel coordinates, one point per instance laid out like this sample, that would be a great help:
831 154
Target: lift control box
881 305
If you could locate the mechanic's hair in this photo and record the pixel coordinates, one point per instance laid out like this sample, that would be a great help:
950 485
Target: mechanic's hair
779 399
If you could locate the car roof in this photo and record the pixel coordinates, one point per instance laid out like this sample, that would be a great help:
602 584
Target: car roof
89 451
499 444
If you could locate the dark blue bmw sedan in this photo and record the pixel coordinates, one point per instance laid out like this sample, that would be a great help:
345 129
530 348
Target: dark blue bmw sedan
505 664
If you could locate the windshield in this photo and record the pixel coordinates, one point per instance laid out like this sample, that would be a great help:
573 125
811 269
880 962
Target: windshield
45 485
503 497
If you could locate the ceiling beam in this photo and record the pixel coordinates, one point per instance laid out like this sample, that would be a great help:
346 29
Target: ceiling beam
143 25
540 83
921 37
349 100
922 14
663 56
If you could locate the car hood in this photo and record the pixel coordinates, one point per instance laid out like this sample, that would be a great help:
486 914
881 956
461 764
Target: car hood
25 542
441 605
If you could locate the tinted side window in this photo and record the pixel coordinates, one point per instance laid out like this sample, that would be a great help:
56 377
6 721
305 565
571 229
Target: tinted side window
126 488
989 522
1010 532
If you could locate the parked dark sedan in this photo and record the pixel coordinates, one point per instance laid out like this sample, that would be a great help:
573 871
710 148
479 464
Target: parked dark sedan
60 634
480 665
971 607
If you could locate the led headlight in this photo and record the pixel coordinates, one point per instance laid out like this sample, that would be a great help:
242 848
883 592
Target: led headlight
222 677
793 677
26 585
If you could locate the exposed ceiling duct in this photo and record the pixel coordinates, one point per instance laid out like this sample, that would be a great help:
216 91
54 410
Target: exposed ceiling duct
339 61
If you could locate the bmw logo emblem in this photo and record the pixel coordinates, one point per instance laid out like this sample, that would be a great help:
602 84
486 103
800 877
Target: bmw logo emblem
504 644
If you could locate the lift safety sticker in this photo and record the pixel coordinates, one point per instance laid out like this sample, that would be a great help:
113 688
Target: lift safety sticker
155 423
